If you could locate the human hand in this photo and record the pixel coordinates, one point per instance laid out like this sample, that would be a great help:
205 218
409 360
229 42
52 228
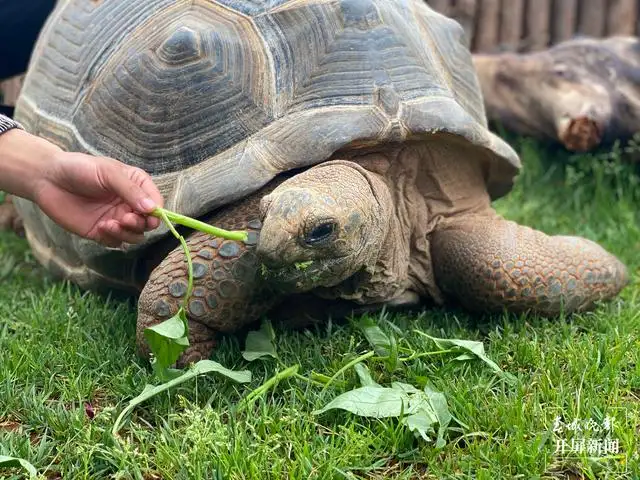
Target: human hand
98 198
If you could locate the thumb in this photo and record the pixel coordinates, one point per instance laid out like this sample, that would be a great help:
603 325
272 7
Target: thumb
134 186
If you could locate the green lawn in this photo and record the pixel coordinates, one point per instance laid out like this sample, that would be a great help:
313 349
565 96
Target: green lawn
62 349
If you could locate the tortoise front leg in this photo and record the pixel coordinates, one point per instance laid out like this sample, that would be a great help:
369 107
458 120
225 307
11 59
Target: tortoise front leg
228 288
487 263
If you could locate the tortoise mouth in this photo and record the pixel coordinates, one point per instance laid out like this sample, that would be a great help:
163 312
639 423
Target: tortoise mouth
304 275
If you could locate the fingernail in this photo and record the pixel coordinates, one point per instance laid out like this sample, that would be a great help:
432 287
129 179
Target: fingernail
147 204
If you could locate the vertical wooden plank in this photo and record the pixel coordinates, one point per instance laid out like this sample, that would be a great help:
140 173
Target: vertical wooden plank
486 35
592 17
511 24
465 12
565 14
537 24
622 17
441 6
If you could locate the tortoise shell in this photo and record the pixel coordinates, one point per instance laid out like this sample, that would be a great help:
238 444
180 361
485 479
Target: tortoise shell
215 98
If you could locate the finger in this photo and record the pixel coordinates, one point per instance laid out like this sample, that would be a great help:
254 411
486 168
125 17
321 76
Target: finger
112 230
141 223
152 223
144 180
133 222
102 236
117 178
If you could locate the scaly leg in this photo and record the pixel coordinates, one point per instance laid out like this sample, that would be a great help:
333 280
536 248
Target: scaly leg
228 292
487 263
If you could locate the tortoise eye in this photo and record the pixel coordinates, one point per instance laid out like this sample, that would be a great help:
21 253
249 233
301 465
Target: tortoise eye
320 233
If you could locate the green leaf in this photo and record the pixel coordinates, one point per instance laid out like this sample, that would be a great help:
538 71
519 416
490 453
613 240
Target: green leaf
404 387
427 408
165 374
13 462
363 374
376 402
422 410
421 423
167 340
303 265
259 343
469 349
465 357
439 407
377 338
200 368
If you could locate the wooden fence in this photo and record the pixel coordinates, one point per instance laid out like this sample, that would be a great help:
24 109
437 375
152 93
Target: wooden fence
528 25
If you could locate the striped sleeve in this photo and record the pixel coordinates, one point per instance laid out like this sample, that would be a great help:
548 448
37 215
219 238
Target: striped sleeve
7 124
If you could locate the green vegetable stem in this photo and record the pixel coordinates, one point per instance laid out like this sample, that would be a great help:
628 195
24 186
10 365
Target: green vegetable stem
183 220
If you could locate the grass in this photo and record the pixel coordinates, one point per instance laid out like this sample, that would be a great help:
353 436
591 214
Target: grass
68 367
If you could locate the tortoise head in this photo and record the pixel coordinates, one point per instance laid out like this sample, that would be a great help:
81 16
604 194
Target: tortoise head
323 225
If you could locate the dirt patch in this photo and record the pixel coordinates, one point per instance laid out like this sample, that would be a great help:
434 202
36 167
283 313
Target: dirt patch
10 426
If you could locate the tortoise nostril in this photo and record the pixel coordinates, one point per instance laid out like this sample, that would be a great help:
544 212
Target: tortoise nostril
268 257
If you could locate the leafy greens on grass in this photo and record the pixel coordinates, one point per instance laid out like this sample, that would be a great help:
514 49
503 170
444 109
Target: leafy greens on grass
386 346
419 410
167 340
424 412
468 350
200 368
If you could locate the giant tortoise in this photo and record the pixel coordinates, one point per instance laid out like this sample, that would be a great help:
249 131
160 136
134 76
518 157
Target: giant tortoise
346 135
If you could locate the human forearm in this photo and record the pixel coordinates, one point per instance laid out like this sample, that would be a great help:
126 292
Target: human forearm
24 159
92 196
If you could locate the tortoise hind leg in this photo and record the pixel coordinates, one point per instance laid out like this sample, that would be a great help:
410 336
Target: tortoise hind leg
228 289
490 264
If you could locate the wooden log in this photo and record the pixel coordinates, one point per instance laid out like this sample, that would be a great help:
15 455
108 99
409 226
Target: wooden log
465 11
538 16
592 18
511 24
622 17
441 6
486 35
565 14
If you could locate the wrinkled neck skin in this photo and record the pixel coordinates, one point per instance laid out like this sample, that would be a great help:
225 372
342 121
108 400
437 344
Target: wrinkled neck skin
428 182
